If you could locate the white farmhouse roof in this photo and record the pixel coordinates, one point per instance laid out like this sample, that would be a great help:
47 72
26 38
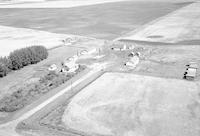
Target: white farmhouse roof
70 64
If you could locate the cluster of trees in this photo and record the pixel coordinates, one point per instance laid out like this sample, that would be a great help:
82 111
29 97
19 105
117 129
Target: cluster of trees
26 94
22 57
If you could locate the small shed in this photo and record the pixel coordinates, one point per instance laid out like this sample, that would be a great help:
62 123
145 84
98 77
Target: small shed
116 49
53 67
132 54
84 52
138 54
70 59
191 73
124 47
131 47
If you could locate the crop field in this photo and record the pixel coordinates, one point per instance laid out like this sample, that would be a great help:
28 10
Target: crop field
107 21
179 27
134 105
15 38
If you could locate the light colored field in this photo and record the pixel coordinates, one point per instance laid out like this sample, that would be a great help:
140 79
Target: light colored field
15 38
53 3
133 105
180 26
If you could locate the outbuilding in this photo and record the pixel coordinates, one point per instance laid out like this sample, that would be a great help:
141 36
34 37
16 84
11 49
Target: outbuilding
133 62
84 52
53 67
116 49
70 66
190 73
132 54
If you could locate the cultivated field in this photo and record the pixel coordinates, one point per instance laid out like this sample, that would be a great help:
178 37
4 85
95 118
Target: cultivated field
107 21
15 38
181 26
135 105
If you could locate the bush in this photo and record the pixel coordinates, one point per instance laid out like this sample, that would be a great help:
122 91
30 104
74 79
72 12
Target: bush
3 70
6 61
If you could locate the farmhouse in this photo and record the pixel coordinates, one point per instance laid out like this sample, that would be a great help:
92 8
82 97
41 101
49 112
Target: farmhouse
69 66
133 62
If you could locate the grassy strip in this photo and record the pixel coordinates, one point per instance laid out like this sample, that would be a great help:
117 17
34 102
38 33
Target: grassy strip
30 92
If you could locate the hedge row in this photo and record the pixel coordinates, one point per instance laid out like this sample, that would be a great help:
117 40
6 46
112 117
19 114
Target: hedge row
25 95
22 57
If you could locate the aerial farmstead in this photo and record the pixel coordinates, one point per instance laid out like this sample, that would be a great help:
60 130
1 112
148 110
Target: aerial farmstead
133 71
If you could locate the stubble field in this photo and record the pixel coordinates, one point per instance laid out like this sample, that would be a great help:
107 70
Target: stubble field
107 21
135 105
